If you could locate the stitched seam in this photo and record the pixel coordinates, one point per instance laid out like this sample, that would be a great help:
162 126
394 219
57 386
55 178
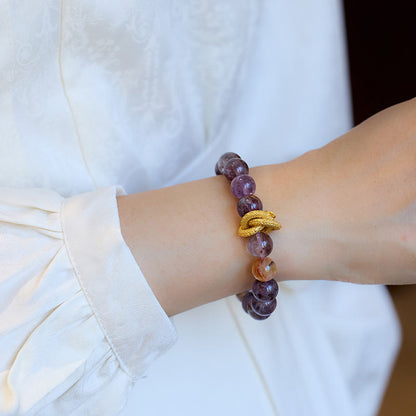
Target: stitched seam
253 358
64 89
87 296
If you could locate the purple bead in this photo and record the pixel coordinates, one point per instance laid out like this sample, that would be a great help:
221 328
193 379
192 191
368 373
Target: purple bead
257 316
263 308
248 203
246 301
235 167
243 185
247 306
219 167
260 245
265 291
240 296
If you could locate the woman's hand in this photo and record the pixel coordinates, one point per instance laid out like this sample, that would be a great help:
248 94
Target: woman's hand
351 213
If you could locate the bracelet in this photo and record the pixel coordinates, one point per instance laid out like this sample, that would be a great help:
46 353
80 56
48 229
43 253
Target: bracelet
260 301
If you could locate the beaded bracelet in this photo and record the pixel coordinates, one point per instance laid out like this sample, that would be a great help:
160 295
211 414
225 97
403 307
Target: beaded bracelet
260 301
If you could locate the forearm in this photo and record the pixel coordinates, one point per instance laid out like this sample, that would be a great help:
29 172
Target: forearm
185 237
347 212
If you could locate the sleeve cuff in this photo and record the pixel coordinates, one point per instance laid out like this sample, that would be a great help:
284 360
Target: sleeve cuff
134 323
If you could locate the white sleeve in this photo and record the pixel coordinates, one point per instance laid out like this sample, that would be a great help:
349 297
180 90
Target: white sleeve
78 321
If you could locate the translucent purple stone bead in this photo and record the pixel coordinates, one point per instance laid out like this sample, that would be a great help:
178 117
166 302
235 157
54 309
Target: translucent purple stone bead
246 301
248 203
265 291
256 316
260 245
263 308
219 167
241 295
243 185
247 306
235 167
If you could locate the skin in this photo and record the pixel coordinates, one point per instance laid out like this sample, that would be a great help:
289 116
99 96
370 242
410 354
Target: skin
348 212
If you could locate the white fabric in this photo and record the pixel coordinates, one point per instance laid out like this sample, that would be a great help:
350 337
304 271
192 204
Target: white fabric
78 319
101 98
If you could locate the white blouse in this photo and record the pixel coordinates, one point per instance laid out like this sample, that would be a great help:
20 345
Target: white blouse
102 98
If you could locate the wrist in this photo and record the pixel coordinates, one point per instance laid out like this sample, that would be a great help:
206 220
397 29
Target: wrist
307 246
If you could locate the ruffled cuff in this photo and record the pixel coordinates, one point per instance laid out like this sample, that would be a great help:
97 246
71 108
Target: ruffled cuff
78 321
134 323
